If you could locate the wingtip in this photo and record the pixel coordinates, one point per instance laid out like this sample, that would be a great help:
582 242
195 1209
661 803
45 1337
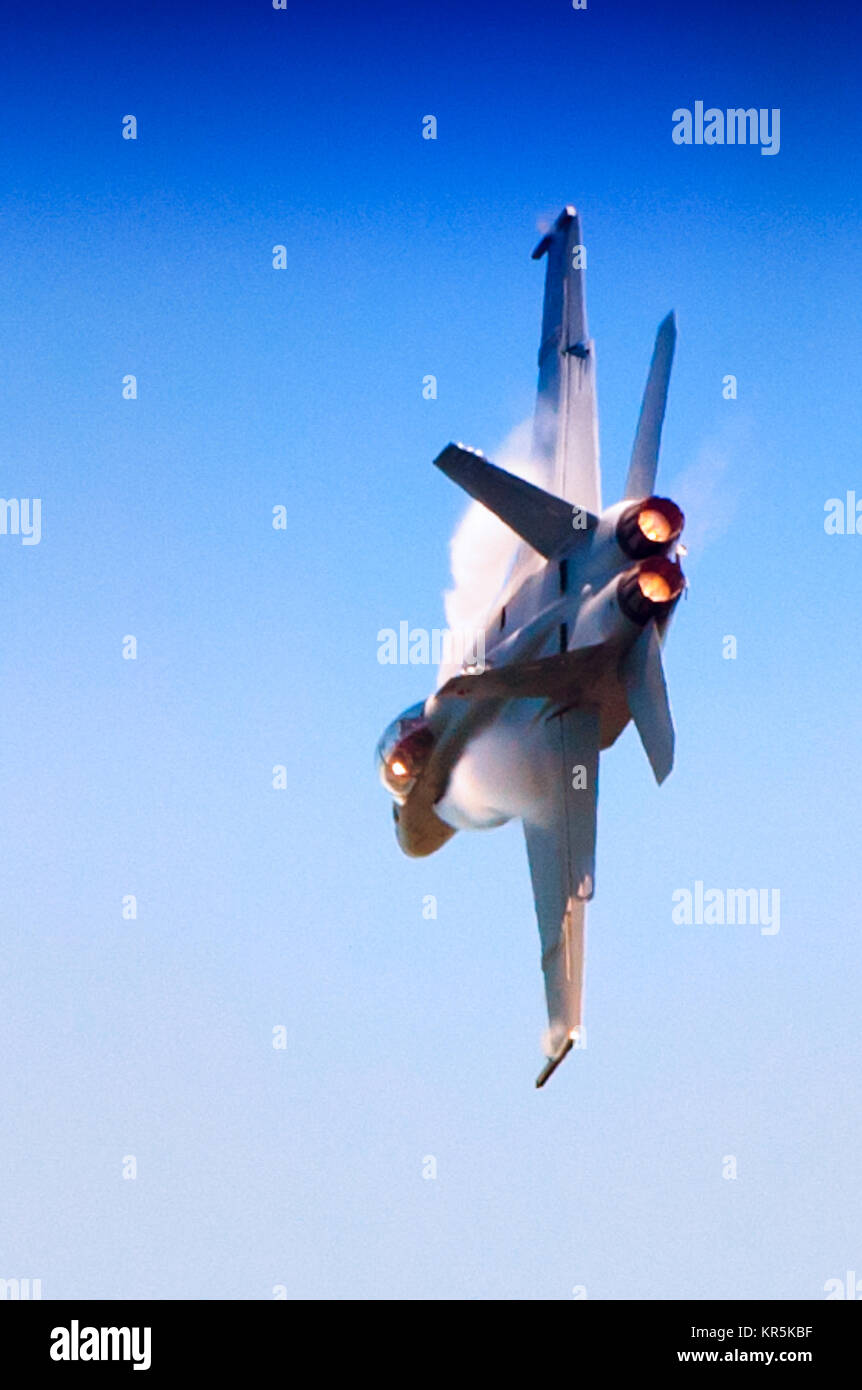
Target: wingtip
447 456
540 249
553 1062
663 771
454 454
568 215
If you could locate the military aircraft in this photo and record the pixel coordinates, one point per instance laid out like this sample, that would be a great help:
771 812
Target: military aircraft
573 643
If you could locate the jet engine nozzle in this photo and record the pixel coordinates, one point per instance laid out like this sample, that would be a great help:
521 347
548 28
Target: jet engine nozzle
649 527
651 590
404 750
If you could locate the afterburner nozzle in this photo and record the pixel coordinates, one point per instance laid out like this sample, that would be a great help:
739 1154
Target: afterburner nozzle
651 590
649 527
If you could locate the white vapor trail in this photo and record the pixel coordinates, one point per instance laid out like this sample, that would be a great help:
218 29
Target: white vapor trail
483 550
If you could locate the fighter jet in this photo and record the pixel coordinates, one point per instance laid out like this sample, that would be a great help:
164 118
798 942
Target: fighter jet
572 644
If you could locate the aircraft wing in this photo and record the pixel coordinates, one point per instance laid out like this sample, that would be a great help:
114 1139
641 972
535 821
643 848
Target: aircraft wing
561 847
565 430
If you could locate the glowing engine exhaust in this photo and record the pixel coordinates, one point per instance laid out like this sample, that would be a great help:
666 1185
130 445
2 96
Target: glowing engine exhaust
404 750
649 527
652 590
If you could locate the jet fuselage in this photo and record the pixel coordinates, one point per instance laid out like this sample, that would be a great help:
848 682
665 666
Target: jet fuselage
572 646
487 758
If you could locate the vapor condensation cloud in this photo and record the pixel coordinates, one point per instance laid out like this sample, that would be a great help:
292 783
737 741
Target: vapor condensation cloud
483 550
709 489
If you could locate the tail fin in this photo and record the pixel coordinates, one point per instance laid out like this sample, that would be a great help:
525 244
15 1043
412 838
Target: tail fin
646 690
644 461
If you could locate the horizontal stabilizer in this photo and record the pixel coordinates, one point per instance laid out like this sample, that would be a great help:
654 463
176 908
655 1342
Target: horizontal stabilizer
545 522
644 461
561 678
646 691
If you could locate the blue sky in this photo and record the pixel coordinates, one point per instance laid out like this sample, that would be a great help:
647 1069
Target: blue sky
259 908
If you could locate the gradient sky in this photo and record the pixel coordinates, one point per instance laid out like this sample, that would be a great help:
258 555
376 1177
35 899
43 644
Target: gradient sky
406 1037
